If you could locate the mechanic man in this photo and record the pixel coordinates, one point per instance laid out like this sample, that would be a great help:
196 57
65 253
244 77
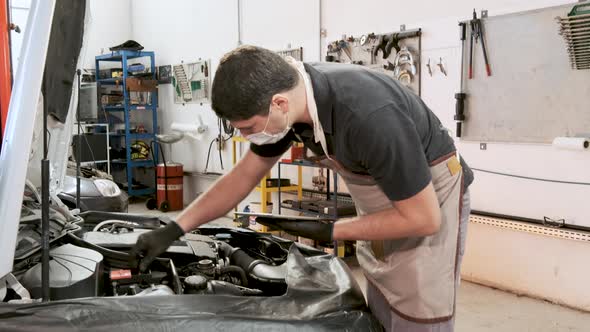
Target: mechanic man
399 164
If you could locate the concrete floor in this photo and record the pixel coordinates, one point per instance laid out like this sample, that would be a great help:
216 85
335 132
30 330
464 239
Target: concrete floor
480 308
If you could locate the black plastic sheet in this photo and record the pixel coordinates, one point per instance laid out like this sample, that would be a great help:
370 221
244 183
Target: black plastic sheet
322 295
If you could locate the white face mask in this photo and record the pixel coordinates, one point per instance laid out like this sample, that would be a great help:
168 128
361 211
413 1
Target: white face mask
263 137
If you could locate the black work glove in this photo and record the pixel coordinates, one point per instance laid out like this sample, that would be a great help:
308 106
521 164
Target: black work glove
153 243
314 230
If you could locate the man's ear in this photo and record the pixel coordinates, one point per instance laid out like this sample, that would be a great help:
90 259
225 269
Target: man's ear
281 102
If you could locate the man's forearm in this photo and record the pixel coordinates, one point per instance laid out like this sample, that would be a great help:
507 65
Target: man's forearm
384 225
225 194
418 215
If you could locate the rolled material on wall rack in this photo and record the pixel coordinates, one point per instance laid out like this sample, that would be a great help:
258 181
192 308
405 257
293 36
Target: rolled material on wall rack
572 143
180 130
191 130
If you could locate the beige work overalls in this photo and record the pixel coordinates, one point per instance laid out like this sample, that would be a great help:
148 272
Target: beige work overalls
415 276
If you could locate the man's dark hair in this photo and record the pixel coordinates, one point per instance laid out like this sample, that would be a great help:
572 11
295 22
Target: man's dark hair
246 80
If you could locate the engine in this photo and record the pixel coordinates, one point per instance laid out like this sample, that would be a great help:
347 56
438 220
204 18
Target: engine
94 262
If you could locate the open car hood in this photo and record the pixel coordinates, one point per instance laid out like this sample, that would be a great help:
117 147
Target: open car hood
60 21
17 138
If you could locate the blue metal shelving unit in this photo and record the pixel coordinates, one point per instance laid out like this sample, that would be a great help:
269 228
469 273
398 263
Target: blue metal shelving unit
123 57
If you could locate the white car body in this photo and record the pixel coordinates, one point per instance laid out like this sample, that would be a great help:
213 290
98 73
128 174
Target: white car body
16 145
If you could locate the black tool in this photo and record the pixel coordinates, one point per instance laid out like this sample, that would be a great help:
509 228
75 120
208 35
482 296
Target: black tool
473 29
459 111
45 236
389 66
393 43
385 43
483 47
282 217
477 33
381 42
460 97
79 146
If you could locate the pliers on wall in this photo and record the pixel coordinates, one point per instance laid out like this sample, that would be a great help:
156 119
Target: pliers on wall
477 33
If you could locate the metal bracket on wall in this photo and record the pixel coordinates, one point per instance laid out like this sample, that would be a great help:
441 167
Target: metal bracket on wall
561 233
402 27
483 146
380 52
295 53
484 13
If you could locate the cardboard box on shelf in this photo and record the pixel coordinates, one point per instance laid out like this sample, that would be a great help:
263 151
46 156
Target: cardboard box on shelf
307 242
111 99
141 85
140 98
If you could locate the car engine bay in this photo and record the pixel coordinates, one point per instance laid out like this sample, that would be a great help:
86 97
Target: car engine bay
212 278
91 259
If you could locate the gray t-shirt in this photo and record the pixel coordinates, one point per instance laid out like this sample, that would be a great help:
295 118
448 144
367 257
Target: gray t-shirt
373 126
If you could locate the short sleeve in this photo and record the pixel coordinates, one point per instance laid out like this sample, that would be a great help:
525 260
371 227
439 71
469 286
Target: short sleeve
387 144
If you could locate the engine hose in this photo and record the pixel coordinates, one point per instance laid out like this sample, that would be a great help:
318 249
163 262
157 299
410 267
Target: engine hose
91 217
240 258
128 224
254 268
236 269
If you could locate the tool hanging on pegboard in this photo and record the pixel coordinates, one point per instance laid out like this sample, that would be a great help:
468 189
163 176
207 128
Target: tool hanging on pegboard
575 30
477 34
404 68
460 97
396 54
441 66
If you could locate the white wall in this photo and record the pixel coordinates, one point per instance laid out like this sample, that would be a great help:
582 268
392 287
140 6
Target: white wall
276 24
19 12
186 31
524 262
440 39
189 30
108 24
